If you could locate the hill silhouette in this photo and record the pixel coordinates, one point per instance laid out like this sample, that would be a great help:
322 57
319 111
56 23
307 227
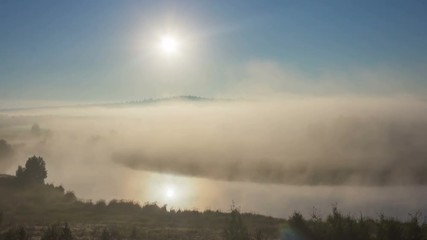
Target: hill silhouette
141 102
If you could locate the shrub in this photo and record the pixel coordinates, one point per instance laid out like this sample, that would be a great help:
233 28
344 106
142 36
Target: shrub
57 232
235 229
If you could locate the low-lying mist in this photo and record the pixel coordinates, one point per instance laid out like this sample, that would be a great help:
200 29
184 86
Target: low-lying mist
289 143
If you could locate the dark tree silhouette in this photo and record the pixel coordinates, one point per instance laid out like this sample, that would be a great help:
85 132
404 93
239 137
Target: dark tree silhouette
297 222
34 171
415 231
36 130
235 229
5 149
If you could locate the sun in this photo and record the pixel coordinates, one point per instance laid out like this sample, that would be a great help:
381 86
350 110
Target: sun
169 44
170 193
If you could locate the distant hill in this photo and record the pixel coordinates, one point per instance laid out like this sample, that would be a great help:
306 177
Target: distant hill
152 101
142 102
187 98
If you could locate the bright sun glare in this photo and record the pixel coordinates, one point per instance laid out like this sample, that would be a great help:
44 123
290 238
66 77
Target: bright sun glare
169 44
170 192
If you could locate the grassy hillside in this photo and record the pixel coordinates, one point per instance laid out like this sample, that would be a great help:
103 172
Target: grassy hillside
36 206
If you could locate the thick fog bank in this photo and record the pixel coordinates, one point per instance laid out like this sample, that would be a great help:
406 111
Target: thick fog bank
304 152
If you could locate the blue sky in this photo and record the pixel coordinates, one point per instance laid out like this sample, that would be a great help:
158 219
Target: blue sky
88 50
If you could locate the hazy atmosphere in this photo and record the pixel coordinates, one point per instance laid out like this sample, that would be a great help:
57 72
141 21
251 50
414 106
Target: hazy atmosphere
293 149
275 106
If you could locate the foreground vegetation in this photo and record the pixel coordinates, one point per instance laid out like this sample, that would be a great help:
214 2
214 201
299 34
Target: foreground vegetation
31 209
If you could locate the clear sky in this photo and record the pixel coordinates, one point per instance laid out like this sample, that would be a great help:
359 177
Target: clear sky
103 50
